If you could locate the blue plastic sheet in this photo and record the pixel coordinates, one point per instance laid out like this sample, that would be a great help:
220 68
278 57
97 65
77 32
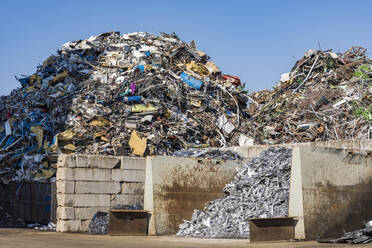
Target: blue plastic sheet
193 82
140 67
132 99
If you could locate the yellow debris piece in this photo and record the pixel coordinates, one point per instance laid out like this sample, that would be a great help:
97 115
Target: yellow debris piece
100 122
201 54
31 89
39 132
195 102
137 144
35 79
46 146
58 78
143 108
66 135
198 68
212 67
70 147
101 135
45 173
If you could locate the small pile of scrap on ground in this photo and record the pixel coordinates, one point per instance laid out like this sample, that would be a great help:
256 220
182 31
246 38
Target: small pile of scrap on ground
362 236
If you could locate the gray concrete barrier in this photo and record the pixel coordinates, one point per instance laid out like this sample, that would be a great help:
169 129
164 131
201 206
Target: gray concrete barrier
87 184
330 191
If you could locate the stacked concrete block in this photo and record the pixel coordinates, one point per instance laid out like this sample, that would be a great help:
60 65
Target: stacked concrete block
87 184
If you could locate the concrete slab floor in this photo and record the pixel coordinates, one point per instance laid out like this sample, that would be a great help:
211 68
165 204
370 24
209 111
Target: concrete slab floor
23 238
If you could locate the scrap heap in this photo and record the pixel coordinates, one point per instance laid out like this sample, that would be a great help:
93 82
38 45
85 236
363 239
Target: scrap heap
326 96
131 94
260 189
139 94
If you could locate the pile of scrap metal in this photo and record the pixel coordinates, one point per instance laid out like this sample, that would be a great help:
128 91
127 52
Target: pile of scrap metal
362 236
260 189
133 94
326 96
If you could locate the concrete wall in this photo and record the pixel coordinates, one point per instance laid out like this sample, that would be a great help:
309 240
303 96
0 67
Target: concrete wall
89 183
330 192
176 186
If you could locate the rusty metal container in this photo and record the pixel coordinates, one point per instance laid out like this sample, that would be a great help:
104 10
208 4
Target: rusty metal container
128 222
271 229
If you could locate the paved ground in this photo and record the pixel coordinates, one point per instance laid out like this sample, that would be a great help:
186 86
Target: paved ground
14 238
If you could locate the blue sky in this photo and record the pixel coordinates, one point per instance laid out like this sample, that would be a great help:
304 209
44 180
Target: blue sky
255 40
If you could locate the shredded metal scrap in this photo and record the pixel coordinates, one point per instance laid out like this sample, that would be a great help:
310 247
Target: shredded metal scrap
99 223
260 189
361 236
209 153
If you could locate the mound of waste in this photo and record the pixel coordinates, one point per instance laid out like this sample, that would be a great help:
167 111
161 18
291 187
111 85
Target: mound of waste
260 189
138 94
131 94
326 96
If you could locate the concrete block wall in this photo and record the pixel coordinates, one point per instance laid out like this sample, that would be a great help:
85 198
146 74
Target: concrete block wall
87 184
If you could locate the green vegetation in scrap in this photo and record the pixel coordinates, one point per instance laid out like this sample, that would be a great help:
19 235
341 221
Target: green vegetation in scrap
364 112
362 72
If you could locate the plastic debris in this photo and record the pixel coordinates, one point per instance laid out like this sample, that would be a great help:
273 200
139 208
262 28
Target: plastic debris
193 82
260 189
